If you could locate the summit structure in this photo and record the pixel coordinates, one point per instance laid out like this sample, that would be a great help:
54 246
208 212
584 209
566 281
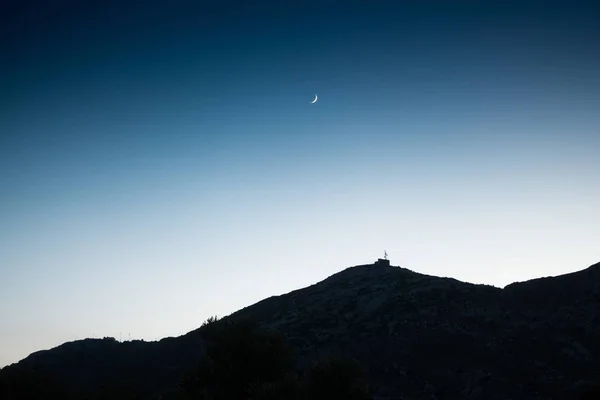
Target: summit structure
382 262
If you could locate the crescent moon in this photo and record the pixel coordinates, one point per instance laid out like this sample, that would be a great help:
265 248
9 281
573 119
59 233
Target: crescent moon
315 100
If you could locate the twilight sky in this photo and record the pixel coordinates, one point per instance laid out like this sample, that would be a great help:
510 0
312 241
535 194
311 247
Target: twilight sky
162 163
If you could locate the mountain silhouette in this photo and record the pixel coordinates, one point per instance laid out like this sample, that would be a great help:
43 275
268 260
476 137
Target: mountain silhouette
416 337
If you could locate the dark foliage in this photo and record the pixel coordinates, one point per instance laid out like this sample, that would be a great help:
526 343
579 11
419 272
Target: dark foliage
415 336
245 361
242 361
31 383
240 356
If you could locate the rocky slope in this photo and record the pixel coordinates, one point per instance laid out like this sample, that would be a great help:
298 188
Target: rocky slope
424 337
417 336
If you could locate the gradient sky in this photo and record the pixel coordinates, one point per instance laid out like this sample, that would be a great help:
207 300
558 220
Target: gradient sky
162 163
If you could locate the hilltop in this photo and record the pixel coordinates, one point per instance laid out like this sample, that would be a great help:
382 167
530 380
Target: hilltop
416 336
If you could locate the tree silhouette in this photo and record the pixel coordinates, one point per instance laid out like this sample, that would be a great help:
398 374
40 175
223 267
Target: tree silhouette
241 358
244 361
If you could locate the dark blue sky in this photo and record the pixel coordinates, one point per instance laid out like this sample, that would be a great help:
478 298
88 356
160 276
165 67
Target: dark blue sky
161 162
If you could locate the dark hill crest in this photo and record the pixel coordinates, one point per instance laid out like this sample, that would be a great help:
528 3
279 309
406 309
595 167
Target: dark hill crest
417 336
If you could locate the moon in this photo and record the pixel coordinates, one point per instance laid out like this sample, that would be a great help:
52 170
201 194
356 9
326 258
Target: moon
315 100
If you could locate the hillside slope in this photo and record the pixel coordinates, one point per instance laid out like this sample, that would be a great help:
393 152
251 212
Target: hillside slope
417 336
420 334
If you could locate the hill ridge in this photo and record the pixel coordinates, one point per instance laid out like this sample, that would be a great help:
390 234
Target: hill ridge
529 340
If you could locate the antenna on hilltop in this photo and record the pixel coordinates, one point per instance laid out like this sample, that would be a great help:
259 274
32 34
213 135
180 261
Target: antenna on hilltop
385 255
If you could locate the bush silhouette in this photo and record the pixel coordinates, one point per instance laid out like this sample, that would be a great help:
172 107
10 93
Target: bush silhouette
241 358
244 361
210 321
